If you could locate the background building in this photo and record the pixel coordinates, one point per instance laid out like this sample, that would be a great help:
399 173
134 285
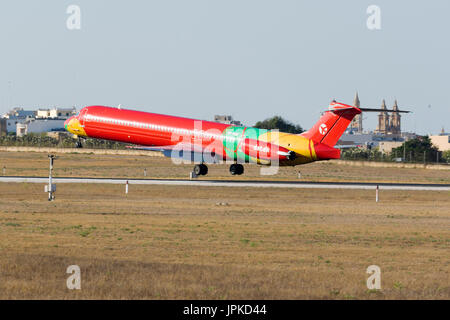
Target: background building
356 125
21 129
3 130
22 121
62 113
385 143
227 119
19 113
11 124
441 141
15 116
387 146
389 123
386 136
39 126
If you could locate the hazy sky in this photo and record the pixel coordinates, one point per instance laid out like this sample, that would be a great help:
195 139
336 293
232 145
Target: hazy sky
251 59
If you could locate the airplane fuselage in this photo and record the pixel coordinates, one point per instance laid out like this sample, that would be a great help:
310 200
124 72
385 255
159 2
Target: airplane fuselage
227 142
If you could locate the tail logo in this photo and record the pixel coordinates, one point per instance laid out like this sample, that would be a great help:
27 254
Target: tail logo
323 129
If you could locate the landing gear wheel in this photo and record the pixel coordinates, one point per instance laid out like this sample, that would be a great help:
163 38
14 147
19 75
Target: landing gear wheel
236 169
201 169
204 170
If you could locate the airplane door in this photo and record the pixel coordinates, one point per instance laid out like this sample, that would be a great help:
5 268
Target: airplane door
82 117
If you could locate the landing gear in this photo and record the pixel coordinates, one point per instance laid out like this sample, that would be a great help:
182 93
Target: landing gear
236 169
201 169
78 144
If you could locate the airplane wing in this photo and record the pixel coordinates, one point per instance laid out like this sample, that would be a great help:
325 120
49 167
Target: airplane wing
184 151
166 148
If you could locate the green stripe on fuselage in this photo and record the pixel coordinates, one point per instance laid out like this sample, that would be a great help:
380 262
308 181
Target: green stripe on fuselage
234 136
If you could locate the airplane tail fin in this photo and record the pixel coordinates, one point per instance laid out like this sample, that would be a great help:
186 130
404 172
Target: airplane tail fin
333 123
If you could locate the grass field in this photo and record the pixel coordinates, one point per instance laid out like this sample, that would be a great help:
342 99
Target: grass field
90 165
174 242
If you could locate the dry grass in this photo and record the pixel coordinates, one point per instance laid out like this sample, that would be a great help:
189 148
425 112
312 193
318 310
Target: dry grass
173 242
90 165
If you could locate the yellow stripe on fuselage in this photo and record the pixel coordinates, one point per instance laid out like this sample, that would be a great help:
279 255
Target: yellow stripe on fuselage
313 150
303 147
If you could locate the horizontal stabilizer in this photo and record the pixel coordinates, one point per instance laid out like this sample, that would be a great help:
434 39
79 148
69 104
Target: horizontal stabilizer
382 110
347 146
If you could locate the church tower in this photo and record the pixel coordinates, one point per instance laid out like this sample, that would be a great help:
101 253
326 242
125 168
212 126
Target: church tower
383 120
356 124
395 126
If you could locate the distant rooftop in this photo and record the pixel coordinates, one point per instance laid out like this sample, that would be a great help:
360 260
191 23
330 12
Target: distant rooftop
227 119
443 133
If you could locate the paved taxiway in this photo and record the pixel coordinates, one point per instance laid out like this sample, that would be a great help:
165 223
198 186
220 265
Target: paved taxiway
237 183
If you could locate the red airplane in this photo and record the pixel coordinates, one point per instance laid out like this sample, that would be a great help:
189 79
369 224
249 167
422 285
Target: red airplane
204 142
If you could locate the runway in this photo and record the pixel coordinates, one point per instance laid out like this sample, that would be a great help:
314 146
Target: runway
236 183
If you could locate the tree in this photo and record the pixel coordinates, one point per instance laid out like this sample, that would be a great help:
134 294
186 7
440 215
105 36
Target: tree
415 149
446 156
279 123
357 153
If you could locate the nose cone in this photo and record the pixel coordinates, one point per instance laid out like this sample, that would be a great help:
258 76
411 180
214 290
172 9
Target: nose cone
324 152
74 126
66 123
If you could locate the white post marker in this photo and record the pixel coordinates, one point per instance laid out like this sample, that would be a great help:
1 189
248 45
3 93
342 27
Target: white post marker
51 187
126 188
192 175
377 193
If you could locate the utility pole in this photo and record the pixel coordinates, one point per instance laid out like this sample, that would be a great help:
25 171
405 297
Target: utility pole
404 151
